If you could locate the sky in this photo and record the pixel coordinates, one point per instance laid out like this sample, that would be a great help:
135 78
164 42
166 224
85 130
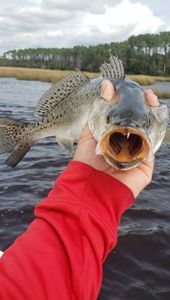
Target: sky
66 23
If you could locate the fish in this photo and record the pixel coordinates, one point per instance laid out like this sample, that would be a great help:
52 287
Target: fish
126 131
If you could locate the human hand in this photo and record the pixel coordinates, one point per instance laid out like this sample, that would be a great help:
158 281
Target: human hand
136 179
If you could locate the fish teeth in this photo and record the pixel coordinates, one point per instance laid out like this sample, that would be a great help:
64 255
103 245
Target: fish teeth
98 150
128 135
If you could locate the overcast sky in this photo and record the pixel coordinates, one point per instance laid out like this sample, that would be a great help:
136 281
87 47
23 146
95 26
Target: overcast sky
65 23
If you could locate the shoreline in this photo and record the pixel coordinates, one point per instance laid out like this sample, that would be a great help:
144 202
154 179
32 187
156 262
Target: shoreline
54 76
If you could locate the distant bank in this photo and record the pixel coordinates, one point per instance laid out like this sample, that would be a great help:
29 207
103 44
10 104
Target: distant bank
56 75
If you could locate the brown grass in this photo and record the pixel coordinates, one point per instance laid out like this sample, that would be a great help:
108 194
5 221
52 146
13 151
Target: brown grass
36 74
32 74
56 75
148 80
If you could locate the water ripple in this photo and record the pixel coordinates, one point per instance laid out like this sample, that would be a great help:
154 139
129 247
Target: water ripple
139 267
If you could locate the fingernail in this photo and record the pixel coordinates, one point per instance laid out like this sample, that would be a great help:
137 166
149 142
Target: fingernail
151 98
103 87
107 90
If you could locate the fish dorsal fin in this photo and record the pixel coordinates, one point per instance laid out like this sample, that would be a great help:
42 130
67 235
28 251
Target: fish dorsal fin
113 69
59 91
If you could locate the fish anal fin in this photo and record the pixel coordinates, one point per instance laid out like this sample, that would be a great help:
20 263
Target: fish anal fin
66 143
60 91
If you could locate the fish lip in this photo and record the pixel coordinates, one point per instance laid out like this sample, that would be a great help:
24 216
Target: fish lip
123 165
126 159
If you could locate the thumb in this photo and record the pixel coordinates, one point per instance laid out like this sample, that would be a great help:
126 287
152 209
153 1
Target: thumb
107 90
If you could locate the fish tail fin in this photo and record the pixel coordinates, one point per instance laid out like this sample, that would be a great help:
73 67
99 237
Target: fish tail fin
14 139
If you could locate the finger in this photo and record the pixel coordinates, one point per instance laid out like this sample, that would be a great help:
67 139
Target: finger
107 90
150 160
151 98
149 166
86 133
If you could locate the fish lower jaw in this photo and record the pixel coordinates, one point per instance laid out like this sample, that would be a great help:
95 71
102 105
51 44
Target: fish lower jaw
124 147
124 166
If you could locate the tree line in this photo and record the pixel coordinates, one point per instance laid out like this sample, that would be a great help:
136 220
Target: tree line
141 54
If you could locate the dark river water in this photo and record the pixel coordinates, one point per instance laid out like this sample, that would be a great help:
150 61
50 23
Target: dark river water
139 267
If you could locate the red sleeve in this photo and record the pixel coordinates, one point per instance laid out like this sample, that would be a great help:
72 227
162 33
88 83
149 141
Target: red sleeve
60 256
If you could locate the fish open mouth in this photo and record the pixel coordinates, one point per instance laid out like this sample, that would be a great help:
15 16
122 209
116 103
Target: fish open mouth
125 144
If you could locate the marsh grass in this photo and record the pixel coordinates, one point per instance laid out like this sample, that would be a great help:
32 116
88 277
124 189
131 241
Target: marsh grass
148 80
33 74
36 74
56 75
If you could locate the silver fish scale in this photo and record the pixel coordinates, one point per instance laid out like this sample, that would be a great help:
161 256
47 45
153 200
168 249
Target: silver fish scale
76 89
68 105
59 91
73 105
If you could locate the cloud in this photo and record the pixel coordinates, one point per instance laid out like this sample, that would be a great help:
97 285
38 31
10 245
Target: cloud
115 19
159 8
78 5
65 23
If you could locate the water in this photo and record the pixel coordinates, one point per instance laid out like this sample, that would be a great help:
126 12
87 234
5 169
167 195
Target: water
139 267
162 86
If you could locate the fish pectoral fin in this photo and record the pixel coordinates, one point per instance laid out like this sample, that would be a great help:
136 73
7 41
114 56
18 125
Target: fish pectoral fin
166 139
66 143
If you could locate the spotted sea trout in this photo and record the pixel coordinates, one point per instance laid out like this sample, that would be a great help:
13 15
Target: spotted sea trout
126 131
